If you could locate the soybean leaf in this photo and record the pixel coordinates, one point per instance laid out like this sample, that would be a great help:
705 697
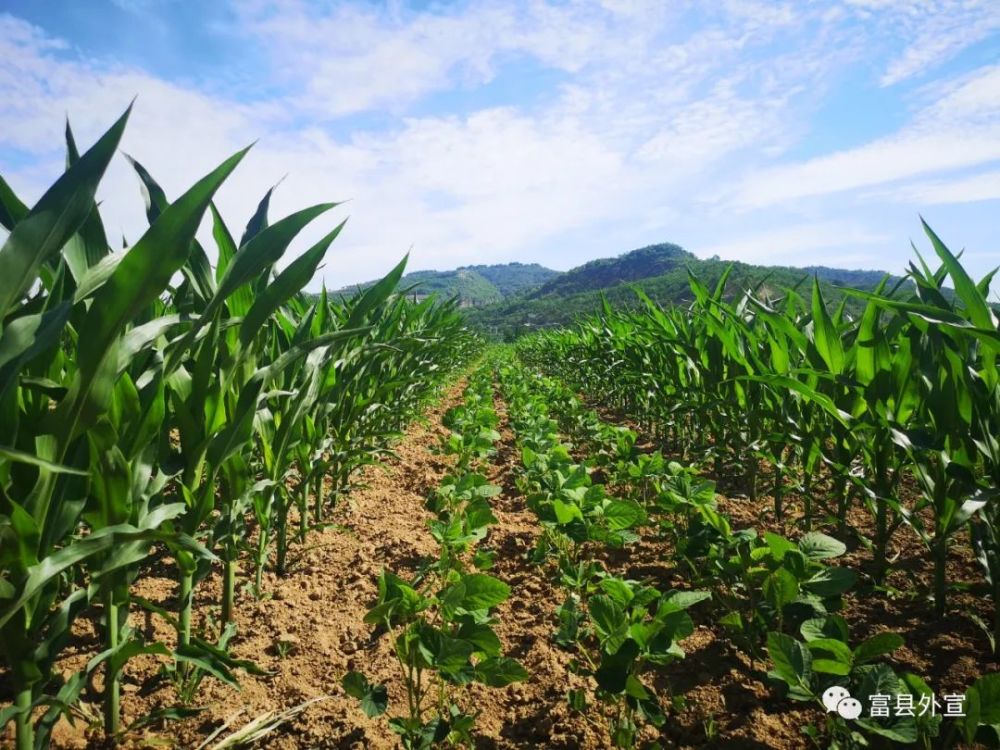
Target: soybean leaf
374 698
500 671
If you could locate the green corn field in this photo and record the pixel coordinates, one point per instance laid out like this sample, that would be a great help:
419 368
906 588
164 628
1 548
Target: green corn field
153 403
789 495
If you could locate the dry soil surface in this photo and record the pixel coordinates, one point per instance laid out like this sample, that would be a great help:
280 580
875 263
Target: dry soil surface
721 699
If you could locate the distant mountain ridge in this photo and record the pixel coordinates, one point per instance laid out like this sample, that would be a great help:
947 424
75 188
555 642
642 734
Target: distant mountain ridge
661 271
652 260
473 285
507 299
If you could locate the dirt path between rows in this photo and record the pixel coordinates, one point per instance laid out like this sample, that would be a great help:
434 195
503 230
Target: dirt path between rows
319 606
321 603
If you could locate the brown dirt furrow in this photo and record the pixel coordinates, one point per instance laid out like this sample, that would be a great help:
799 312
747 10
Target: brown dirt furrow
319 606
729 701
720 699
534 713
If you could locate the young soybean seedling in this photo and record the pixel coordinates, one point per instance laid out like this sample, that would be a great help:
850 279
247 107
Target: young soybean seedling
823 668
442 642
637 627
441 621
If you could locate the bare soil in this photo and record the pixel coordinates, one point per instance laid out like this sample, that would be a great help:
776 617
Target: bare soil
721 699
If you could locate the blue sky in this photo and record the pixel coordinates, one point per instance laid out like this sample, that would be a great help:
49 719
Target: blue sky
789 133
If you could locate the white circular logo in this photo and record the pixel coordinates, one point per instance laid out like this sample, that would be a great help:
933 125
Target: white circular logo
834 695
849 708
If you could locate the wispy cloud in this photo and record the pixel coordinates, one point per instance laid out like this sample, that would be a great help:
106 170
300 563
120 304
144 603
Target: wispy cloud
544 130
930 31
971 189
959 129
789 244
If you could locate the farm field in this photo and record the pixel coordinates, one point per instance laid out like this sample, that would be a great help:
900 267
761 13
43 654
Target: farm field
317 613
234 514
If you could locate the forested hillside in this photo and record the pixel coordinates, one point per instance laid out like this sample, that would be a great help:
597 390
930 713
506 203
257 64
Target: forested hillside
661 271
472 285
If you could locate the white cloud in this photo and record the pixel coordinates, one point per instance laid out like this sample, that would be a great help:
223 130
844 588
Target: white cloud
479 185
961 128
355 59
975 96
793 244
640 111
881 161
931 31
977 187
704 130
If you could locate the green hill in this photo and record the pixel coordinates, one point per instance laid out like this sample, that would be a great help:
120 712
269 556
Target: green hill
514 278
472 288
505 300
654 260
474 285
661 271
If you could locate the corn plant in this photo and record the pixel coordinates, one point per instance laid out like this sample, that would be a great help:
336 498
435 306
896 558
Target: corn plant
134 389
842 407
47 460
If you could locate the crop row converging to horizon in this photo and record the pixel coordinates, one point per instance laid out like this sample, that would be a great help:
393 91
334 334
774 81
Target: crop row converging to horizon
157 407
